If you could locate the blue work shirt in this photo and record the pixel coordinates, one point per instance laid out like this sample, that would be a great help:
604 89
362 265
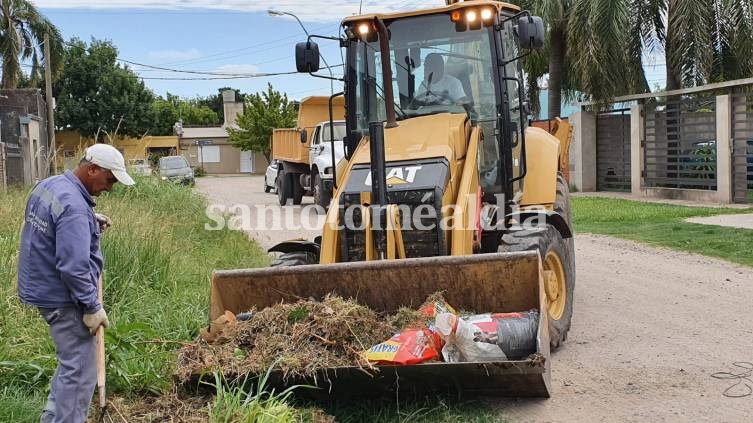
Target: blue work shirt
60 261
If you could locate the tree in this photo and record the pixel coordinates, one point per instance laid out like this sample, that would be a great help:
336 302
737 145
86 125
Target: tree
264 112
100 98
215 102
22 31
172 108
707 41
597 47
587 45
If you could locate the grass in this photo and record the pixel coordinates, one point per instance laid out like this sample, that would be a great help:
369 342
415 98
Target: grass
663 225
158 261
430 410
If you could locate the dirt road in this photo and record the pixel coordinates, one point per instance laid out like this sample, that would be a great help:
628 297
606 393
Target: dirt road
650 327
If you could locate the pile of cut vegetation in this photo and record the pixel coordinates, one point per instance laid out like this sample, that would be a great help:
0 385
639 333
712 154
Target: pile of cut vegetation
168 407
224 406
297 339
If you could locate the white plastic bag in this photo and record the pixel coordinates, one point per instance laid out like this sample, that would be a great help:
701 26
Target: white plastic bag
466 340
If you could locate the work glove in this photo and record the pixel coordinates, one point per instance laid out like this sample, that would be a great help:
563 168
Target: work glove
94 321
104 221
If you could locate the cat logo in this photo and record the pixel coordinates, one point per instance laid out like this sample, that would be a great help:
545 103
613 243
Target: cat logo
398 175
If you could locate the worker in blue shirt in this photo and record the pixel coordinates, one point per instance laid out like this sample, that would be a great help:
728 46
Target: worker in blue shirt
59 265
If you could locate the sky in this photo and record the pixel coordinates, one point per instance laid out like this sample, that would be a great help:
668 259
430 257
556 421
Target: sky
224 36
227 36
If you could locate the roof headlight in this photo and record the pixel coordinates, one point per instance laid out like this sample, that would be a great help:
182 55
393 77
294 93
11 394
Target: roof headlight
471 16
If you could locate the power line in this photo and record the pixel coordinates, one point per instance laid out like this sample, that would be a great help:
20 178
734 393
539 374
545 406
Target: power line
220 74
272 44
161 68
214 78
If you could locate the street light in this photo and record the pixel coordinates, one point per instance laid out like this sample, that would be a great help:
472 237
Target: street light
273 12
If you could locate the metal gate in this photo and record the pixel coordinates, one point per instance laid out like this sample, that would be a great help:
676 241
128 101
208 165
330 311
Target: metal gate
613 151
680 144
742 147
14 162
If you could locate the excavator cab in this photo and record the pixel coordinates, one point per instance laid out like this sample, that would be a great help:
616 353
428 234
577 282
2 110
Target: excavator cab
446 63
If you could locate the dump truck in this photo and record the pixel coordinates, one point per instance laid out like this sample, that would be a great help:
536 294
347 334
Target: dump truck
444 187
308 154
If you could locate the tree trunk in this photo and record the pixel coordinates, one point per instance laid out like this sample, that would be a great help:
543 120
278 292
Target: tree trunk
673 70
674 79
556 70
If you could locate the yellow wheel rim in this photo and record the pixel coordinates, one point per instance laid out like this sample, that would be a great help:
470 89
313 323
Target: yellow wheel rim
554 285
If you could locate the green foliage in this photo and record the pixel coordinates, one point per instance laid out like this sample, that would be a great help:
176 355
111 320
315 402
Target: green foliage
22 30
158 261
664 225
100 98
590 41
264 112
233 404
430 410
19 404
199 171
171 109
297 314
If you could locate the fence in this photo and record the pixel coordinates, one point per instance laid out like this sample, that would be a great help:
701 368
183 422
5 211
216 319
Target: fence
693 144
613 150
680 143
742 146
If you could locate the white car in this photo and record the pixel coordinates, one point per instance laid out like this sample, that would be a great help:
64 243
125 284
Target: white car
270 176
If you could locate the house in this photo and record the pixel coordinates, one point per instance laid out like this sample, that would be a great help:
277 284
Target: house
205 147
24 148
71 145
208 147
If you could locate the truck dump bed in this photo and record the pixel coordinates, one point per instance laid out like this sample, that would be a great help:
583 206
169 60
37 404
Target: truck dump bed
286 142
500 282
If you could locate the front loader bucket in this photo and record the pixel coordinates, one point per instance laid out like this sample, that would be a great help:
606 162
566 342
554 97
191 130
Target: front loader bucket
500 282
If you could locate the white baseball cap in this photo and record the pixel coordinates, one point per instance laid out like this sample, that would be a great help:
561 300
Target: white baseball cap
108 157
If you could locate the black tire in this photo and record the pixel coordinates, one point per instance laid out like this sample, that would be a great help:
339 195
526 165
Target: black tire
322 197
267 188
296 258
283 188
549 241
297 188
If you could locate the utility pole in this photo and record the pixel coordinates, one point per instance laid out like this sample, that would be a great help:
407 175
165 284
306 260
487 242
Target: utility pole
273 12
52 152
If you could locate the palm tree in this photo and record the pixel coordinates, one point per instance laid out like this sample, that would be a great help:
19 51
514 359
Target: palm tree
22 31
552 58
596 47
585 51
707 41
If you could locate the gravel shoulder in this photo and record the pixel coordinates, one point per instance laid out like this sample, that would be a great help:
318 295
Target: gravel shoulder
650 326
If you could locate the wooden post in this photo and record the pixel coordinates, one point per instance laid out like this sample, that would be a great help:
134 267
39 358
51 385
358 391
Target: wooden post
101 353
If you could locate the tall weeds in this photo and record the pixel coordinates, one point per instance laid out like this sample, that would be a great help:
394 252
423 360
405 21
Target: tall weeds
158 263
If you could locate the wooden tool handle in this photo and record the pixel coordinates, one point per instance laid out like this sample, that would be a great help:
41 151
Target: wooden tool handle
100 341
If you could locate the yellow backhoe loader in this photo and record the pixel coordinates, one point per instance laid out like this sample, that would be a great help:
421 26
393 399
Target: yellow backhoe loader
444 187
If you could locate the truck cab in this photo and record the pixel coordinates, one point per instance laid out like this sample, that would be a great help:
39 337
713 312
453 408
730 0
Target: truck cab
325 138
